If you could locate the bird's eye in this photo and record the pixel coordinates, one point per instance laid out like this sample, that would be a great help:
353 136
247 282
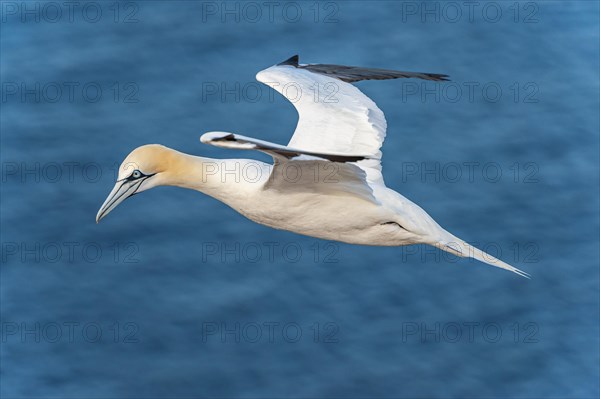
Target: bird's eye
136 175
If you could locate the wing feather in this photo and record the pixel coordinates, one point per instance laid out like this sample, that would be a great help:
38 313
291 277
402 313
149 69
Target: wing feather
239 142
334 116
311 172
337 122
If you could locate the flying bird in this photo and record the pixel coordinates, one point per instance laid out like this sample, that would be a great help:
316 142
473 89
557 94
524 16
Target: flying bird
326 183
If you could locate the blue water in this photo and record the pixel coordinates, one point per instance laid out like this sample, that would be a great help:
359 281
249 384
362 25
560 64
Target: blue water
176 295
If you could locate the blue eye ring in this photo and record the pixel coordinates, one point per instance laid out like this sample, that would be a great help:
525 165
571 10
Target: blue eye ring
136 175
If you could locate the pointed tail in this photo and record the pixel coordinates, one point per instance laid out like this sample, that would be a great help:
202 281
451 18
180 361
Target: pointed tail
460 248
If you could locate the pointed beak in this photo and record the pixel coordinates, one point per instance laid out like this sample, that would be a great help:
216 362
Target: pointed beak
123 189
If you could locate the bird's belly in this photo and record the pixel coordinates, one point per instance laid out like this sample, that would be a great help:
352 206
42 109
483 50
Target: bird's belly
331 217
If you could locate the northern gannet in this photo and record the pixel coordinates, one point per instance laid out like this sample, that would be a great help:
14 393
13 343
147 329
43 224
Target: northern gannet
325 183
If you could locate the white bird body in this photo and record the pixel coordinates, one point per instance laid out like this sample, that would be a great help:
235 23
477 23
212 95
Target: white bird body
329 215
327 183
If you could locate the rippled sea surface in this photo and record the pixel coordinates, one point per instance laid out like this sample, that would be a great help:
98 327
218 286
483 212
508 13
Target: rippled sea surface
176 295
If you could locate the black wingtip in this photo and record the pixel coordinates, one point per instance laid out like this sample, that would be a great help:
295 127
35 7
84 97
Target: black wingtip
439 77
293 61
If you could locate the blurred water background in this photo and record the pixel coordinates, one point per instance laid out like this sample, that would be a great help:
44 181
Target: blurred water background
193 300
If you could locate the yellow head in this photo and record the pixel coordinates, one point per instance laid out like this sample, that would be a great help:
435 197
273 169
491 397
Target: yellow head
143 169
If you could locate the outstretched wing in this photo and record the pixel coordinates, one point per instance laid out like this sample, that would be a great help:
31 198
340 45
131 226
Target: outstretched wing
280 152
302 171
335 116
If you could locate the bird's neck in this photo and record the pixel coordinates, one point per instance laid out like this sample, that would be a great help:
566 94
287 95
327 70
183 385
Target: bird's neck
228 180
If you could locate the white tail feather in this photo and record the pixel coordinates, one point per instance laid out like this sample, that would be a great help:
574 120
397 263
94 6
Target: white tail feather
460 248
